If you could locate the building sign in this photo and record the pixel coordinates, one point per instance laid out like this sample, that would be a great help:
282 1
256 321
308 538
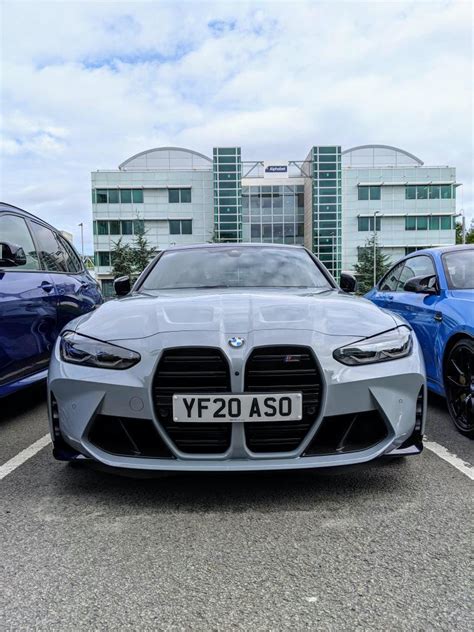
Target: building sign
275 169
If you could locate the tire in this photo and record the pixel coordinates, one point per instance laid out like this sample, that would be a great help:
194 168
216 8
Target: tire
459 385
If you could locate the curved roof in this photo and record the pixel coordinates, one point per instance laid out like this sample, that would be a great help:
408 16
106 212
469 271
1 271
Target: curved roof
378 155
167 158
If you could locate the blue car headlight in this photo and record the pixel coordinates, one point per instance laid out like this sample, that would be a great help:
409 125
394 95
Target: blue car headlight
389 345
78 349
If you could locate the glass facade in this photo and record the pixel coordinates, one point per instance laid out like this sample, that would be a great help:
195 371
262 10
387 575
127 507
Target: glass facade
327 206
273 213
227 170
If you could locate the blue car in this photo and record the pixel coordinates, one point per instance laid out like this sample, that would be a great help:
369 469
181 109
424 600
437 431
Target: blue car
433 290
43 285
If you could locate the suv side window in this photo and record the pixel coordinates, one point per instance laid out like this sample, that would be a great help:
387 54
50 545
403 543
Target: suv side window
417 266
73 261
13 229
390 281
52 254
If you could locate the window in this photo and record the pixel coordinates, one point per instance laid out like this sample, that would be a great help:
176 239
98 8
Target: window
102 228
235 266
369 193
434 223
101 196
421 265
416 222
422 223
180 195
73 261
255 231
410 249
127 227
446 222
447 192
113 196
137 196
13 229
367 223
459 268
432 192
114 227
108 287
181 226
103 258
422 193
138 227
51 252
126 196
410 193
390 281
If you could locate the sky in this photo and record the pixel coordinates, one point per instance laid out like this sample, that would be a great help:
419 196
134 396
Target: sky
86 85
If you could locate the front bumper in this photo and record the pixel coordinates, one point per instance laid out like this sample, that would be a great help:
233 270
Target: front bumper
390 390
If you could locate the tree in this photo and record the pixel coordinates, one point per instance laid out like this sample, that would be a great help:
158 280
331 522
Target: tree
122 259
469 234
141 252
364 268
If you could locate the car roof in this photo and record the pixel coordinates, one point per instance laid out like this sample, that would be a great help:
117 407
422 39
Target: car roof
9 208
440 250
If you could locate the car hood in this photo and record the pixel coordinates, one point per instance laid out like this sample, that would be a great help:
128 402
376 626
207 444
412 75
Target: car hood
234 312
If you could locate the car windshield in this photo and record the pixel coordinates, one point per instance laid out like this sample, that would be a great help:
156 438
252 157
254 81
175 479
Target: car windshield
235 266
459 268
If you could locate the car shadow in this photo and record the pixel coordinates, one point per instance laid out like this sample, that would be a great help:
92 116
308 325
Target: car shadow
237 492
22 402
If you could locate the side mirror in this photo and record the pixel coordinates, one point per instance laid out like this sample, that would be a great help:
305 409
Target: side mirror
11 255
122 286
348 282
420 285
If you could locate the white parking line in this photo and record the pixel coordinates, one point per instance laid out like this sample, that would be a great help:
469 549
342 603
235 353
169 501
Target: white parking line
452 459
23 456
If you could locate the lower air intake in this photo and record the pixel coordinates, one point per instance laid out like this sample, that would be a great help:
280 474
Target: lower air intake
125 436
340 434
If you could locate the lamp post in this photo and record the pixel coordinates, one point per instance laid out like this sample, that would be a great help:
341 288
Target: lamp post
375 247
82 240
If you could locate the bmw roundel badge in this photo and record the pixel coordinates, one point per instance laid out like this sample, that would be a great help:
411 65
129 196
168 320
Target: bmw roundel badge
236 342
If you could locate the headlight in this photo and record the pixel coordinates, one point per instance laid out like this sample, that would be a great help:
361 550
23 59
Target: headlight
391 345
86 351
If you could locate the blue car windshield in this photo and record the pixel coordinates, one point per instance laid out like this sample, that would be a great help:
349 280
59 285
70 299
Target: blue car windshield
459 268
234 266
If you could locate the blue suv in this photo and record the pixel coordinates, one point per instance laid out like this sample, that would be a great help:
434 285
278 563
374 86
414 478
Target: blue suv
43 285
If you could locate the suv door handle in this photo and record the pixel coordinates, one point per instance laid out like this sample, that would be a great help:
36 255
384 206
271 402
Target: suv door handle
46 286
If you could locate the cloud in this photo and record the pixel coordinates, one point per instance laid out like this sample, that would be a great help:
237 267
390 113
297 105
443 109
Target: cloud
86 85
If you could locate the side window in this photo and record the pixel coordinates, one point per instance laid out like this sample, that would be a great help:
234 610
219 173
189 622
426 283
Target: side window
13 230
73 260
51 252
390 281
416 266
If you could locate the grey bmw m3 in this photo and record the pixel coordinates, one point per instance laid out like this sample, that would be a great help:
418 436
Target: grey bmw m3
236 357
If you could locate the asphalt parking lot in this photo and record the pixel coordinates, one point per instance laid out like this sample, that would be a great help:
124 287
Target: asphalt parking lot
384 546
